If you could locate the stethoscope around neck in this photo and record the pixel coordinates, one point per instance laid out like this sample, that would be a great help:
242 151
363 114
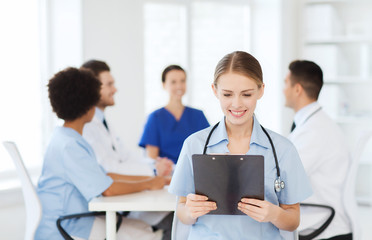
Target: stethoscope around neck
278 183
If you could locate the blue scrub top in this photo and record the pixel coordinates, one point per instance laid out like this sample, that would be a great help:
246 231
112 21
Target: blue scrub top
165 132
70 178
297 186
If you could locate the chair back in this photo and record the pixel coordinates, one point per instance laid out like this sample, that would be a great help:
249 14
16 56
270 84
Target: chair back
31 199
350 203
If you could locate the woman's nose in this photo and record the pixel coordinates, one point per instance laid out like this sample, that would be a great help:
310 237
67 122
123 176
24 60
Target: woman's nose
236 102
180 86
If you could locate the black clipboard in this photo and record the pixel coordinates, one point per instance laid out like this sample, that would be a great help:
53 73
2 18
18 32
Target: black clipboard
225 179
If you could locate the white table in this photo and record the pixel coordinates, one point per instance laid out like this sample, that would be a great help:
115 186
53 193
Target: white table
155 200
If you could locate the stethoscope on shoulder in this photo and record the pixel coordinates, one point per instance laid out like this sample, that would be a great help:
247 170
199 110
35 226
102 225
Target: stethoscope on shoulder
278 183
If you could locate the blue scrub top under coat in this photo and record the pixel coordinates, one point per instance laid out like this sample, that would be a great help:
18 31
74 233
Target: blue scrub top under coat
70 178
165 132
297 186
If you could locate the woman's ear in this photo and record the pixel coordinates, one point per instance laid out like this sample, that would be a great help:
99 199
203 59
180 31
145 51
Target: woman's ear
214 88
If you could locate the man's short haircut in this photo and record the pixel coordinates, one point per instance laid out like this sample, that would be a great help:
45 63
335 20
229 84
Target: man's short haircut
309 75
73 92
96 66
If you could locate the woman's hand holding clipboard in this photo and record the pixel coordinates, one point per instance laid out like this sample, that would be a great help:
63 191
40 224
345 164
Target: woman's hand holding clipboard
198 205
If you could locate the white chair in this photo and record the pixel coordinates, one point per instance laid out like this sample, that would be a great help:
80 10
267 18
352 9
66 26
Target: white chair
31 199
349 199
350 203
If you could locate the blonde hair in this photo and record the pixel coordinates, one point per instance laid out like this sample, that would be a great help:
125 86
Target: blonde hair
239 62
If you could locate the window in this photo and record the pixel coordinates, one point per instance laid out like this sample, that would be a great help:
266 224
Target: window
195 35
43 37
165 44
20 92
217 29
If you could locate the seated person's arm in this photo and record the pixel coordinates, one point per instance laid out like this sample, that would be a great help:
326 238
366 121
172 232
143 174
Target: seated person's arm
152 151
163 165
124 184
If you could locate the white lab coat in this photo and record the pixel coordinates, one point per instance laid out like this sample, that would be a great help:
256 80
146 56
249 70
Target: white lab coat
323 151
121 160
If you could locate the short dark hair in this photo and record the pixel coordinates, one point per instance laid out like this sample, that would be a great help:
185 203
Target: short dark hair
309 75
72 92
168 69
96 66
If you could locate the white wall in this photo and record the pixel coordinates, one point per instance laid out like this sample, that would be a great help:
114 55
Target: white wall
112 32
289 52
12 215
265 37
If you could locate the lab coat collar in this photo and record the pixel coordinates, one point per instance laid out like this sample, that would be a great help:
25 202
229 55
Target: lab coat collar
219 134
258 136
303 114
99 114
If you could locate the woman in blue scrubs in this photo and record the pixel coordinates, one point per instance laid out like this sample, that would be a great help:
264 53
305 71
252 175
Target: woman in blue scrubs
71 176
169 126
238 85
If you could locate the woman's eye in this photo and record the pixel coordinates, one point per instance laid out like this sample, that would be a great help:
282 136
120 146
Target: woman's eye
247 95
227 95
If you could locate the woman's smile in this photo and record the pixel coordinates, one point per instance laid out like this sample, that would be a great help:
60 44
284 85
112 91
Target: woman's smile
237 114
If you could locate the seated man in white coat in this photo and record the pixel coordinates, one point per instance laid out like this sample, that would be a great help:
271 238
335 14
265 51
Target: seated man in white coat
111 153
322 148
